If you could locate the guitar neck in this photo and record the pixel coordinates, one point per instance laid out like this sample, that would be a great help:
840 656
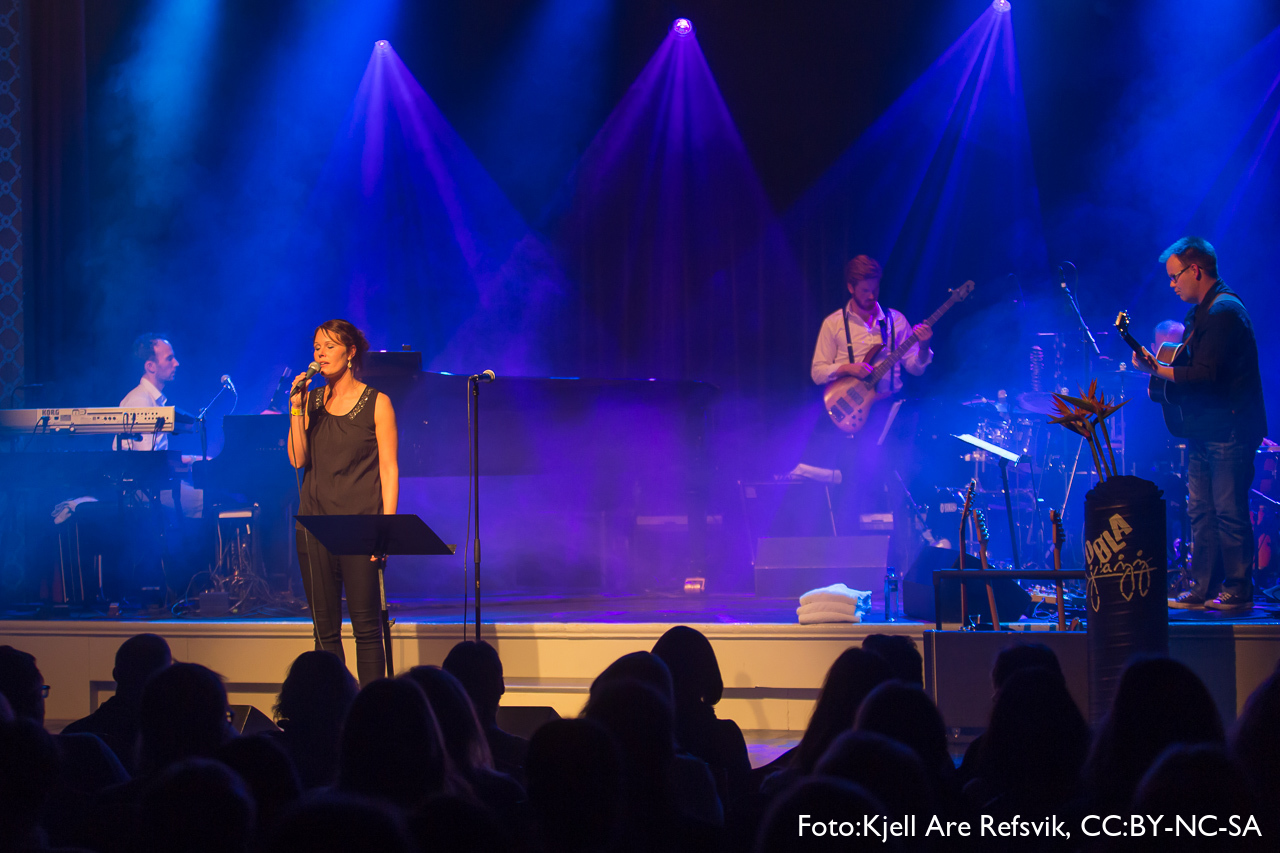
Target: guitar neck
887 364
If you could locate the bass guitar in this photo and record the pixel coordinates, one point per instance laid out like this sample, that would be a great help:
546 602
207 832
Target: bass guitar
1160 390
848 400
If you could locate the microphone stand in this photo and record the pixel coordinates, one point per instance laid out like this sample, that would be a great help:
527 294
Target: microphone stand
1086 336
474 390
204 425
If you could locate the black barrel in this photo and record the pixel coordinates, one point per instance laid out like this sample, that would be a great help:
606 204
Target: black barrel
1126 565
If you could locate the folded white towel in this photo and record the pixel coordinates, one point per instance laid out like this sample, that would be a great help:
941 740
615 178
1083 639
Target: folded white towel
814 617
836 593
827 607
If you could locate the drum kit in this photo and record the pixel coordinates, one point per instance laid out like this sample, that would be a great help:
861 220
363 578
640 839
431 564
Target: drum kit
1054 474
1052 471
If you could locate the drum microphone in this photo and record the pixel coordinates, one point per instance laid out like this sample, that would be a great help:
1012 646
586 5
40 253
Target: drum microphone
228 384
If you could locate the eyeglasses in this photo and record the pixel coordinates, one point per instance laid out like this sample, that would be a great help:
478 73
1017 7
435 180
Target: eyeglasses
1173 279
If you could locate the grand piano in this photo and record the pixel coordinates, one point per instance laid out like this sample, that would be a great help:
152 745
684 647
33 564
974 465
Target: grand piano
571 470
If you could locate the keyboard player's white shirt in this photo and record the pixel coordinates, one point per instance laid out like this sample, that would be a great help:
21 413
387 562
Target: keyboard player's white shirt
145 396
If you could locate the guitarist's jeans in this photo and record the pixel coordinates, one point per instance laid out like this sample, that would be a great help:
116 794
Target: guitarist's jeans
1219 475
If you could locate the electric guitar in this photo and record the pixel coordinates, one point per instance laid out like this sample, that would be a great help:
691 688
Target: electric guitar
848 399
984 536
1161 391
1059 539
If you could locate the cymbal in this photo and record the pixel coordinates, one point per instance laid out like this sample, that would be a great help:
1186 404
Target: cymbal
1035 403
984 404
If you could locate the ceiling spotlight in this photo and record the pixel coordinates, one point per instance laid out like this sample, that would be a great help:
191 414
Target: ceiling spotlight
1001 5
682 27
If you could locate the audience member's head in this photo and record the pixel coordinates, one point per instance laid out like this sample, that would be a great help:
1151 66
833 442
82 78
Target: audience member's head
642 723
22 684
1198 779
457 822
824 799
889 770
905 713
1158 703
391 747
575 785
900 653
853 675
1018 759
476 664
1023 656
268 771
138 658
459 726
644 667
183 714
1256 744
317 693
28 775
339 823
201 802
695 673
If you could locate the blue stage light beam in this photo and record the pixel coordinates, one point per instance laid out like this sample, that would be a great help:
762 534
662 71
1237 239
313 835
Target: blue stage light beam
164 85
421 246
942 186
553 88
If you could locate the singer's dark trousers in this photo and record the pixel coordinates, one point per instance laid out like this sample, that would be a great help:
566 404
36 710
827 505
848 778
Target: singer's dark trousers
324 577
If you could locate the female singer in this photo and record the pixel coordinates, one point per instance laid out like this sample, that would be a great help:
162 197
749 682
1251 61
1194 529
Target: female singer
344 436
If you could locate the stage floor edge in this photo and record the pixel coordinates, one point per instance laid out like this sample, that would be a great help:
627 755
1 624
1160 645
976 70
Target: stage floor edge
772 671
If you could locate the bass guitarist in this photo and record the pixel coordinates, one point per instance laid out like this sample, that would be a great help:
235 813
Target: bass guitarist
1215 382
862 327
848 342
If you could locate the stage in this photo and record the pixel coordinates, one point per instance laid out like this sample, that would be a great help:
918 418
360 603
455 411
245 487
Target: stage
553 646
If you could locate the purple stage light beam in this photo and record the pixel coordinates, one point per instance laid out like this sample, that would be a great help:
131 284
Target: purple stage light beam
427 250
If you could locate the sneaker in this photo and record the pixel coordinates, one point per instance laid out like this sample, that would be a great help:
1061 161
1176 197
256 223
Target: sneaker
1187 600
1231 602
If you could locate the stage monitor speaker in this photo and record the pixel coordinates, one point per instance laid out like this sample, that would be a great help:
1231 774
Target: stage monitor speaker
248 720
524 720
789 566
917 591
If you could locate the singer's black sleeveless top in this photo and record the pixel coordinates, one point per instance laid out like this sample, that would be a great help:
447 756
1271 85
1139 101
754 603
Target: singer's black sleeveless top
342 475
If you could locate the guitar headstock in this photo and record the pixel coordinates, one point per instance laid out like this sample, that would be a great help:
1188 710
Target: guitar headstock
1059 535
968 503
1122 322
961 293
983 533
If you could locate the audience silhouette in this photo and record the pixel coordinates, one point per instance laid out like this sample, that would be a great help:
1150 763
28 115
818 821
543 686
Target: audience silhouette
477 666
116 720
313 703
408 764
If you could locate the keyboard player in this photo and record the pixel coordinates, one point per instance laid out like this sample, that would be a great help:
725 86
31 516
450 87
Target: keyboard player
154 355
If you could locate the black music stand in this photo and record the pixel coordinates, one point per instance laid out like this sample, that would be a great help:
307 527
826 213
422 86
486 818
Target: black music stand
383 536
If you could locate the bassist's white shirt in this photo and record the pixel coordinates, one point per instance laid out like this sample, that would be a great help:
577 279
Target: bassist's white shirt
831 351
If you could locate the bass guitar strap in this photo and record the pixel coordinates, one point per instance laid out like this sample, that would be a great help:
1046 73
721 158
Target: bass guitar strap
848 339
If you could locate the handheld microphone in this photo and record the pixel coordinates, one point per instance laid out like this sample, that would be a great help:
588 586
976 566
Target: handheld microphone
228 384
487 376
312 369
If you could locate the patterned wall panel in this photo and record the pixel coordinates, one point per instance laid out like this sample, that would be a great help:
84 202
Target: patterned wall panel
11 348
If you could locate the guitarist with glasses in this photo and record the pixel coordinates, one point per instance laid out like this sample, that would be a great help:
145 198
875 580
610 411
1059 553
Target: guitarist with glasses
848 345
1213 398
